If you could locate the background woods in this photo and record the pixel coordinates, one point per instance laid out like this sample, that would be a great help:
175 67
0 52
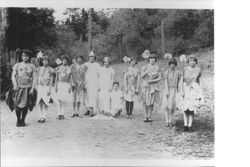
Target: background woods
112 32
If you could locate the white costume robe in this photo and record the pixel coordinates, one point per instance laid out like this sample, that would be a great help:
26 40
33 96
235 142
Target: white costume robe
91 79
105 85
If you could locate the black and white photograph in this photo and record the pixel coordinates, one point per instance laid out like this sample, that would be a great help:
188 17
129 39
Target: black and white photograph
106 84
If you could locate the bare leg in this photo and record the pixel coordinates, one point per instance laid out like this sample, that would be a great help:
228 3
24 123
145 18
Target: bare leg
150 108
167 115
171 115
145 112
190 118
41 109
185 116
74 107
59 108
45 111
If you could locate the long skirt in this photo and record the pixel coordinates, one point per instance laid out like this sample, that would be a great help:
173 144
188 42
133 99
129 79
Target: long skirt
104 100
42 94
92 95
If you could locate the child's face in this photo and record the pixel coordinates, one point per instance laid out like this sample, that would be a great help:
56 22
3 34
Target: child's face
116 86
91 58
106 63
45 62
64 62
172 66
25 57
192 63
79 60
152 61
132 63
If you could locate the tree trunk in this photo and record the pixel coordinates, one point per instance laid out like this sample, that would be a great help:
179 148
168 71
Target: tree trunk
162 38
90 29
3 46
3 27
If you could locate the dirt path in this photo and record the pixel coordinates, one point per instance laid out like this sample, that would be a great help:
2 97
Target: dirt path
119 139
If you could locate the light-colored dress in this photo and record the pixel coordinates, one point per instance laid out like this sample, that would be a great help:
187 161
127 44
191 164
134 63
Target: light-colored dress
149 91
91 79
78 76
24 74
131 77
116 101
63 85
193 97
172 86
105 85
43 84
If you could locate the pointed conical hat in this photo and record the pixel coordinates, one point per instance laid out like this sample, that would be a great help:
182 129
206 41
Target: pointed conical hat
91 54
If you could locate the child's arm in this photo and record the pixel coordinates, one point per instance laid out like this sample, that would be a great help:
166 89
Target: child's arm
125 82
110 102
13 77
51 81
56 80
112 80
34 79
166 83
137 84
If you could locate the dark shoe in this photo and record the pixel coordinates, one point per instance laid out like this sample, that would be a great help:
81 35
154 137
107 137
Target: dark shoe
76 115
150 120
185 129
87 112
73 115
91 114
145 120
62 116
190 129
59 117
22 123
39 120
18 124
43 120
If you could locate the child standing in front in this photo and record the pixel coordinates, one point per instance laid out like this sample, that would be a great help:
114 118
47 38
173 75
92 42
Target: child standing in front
151 76
63 86
44 85
116 99
131 82
78 74
173 84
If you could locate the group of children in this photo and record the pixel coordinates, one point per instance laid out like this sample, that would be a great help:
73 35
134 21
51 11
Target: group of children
91 85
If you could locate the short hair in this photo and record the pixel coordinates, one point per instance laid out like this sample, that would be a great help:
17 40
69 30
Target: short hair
26 52
152 56
133 59
194 58
116 83
172 61
106 58
81 57
65 57
45 57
